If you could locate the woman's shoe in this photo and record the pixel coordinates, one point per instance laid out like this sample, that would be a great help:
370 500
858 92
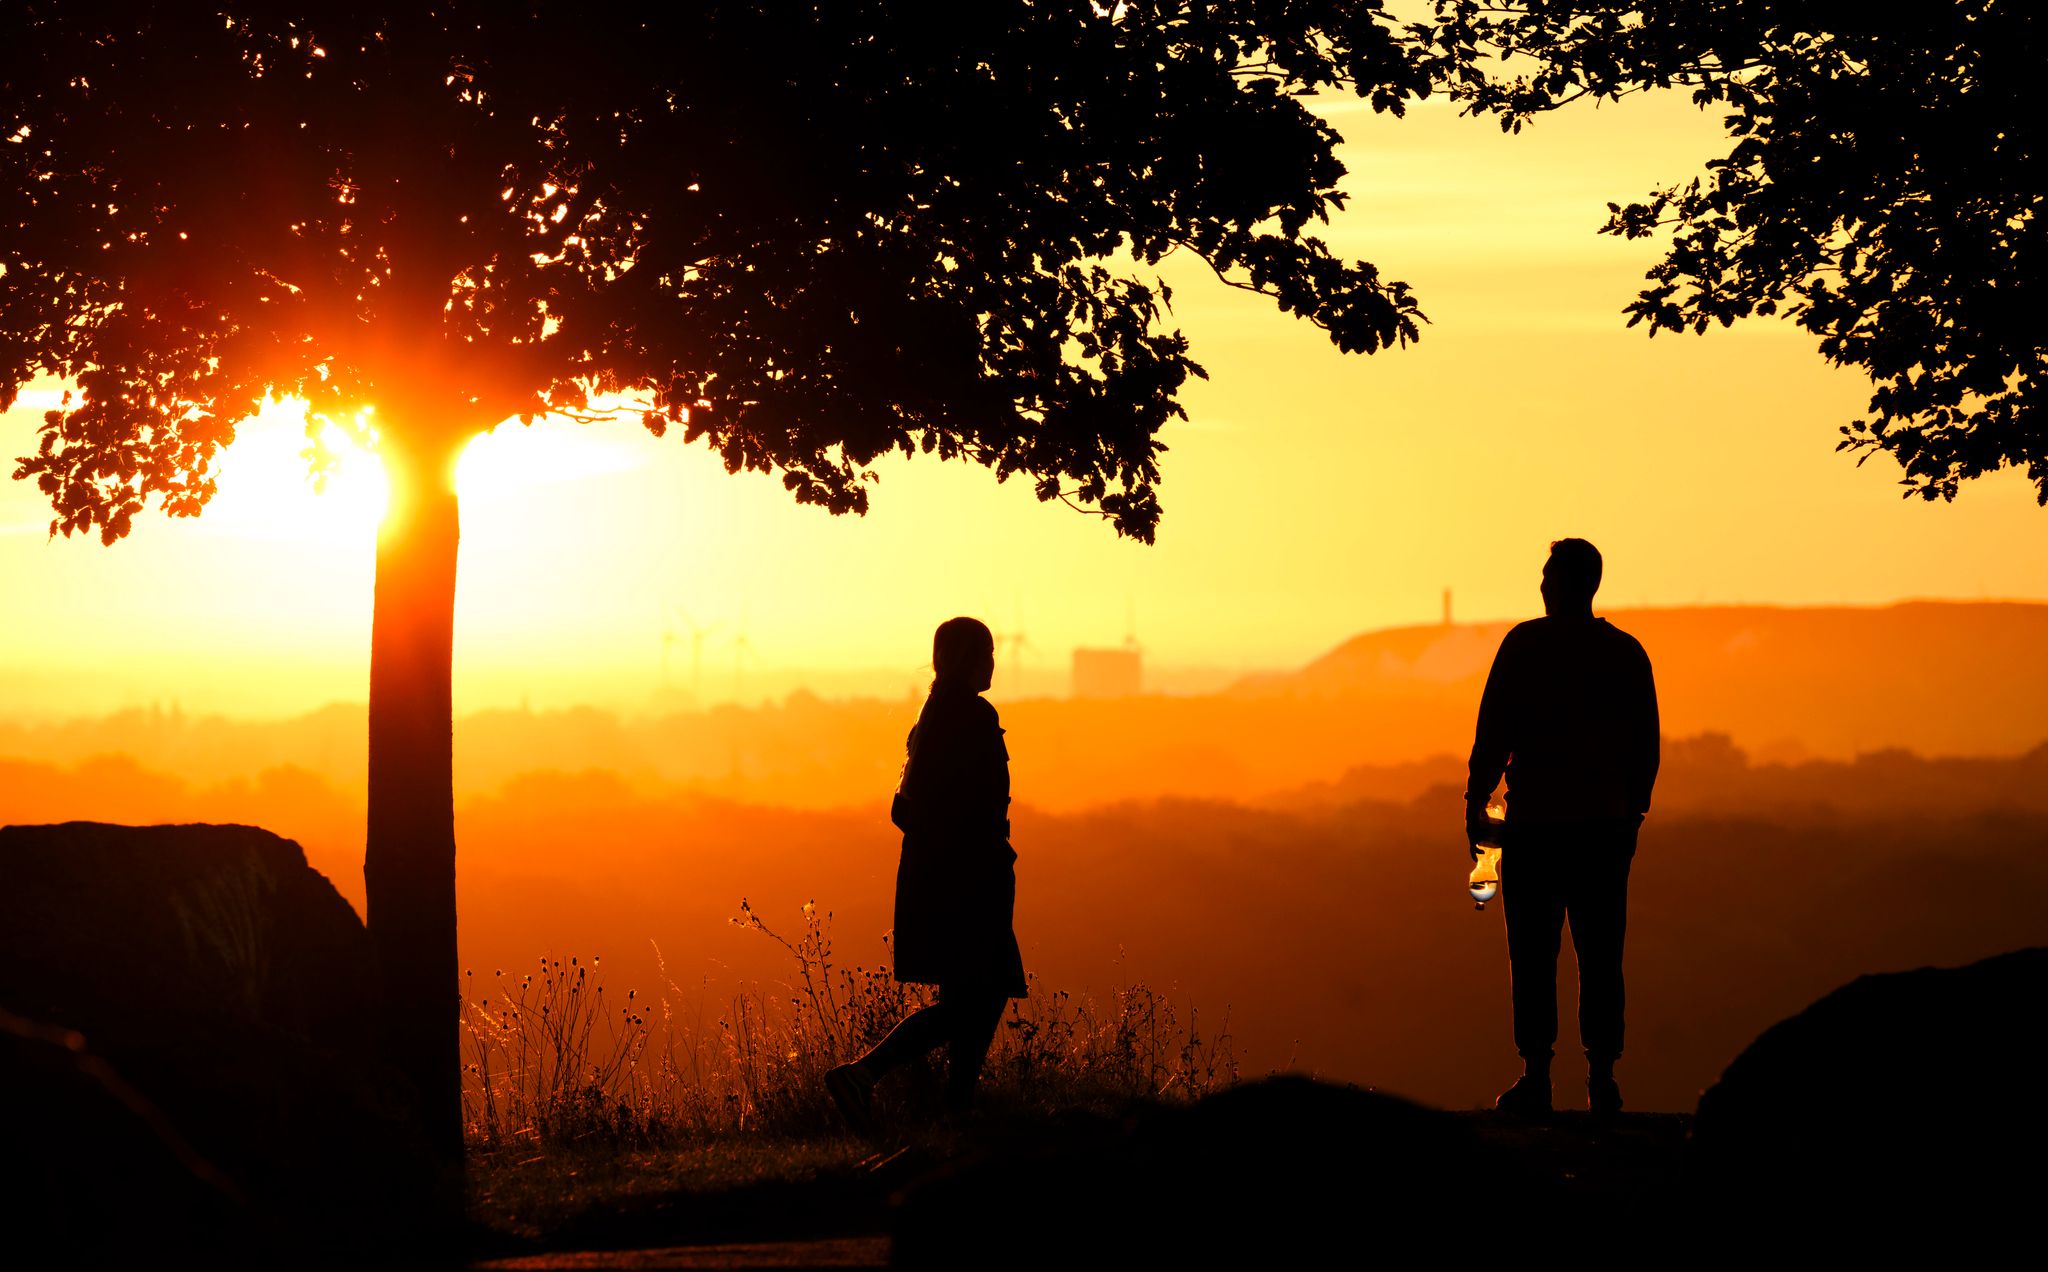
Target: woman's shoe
853 1091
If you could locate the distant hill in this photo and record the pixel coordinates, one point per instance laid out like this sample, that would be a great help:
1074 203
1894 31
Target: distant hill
1376 717
1939 677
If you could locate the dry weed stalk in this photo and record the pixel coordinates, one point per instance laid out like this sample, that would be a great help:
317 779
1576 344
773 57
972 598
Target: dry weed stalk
553 1063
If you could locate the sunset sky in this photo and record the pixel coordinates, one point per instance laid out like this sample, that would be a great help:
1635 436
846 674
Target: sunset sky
1310 495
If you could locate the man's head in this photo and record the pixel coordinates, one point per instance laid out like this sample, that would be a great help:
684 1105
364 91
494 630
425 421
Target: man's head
1570 577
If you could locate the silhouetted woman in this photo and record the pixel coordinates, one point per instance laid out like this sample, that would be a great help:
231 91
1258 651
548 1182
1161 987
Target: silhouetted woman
956 886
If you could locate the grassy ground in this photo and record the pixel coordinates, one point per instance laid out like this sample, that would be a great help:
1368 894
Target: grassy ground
798 1202
726 1189
705 1191
605 1135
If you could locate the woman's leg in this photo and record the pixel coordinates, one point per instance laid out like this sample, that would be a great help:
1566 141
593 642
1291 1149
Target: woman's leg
963 1021
975 1017
913 1036
852 1085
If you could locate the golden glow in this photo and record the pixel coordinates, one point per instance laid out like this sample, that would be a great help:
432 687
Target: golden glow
515 457
1309 496
267 490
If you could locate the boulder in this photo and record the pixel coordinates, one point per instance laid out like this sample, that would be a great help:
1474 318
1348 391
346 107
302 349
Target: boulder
116 931
1901 1112
228 982
94 1175
1285 1172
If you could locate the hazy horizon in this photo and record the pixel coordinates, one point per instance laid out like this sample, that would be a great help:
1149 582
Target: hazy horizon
57 692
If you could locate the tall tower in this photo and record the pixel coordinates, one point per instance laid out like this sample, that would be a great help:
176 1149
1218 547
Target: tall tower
1447 607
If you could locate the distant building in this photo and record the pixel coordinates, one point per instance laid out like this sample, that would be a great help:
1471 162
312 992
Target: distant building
1108 673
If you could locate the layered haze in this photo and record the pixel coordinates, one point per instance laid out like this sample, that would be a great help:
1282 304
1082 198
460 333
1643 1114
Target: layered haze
1845 790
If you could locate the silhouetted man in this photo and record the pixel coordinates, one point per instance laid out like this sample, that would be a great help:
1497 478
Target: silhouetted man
1570 713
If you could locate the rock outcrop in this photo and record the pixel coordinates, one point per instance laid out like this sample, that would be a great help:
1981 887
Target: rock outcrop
94 1174
1285 1172
227 982
1901 1112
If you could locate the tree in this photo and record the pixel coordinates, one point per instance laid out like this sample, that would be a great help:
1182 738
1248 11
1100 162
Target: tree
1882 188
807 235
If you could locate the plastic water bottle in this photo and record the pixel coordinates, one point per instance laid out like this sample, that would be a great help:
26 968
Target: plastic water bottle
1485 882
1485 875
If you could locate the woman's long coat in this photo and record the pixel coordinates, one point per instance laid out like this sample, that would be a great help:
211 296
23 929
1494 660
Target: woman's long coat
956 886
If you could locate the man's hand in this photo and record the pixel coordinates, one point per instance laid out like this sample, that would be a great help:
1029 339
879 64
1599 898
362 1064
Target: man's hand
1478 829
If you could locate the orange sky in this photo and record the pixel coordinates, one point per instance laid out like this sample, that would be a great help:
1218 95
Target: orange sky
1310 495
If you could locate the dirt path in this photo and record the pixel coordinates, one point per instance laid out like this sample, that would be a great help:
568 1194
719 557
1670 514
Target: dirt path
836 1252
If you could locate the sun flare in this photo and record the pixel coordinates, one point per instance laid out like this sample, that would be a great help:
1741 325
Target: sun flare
514 457
268 489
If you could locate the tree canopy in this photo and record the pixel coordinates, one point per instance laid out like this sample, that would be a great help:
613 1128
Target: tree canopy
1882 187
805 234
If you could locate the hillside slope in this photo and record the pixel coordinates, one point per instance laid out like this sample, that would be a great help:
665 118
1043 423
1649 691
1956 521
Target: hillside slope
1938 677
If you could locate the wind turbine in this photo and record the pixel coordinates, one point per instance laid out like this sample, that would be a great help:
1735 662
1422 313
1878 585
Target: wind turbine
698 633
1018 642
742 654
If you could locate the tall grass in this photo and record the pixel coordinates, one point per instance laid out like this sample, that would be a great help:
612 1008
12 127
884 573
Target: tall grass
552 1061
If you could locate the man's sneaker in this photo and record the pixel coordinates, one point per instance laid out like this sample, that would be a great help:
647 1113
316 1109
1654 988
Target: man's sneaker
1528 1097
1603 1095
853 1091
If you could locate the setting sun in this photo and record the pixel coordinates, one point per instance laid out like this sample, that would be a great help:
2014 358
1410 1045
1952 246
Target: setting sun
268 489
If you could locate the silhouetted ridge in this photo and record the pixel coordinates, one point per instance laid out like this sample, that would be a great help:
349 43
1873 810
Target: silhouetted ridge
1957 677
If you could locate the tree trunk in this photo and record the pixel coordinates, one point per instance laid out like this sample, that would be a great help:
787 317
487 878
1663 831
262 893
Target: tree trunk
409 858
